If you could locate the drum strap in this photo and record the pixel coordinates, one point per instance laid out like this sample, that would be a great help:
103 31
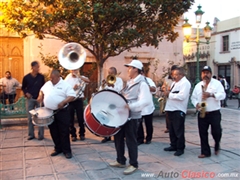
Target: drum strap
146 81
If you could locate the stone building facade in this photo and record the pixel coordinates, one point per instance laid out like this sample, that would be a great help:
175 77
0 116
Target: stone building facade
222 53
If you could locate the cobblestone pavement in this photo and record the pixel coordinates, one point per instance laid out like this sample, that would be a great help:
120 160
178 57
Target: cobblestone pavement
30 160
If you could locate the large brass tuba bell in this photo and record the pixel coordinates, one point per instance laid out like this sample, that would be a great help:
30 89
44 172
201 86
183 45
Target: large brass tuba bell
72 56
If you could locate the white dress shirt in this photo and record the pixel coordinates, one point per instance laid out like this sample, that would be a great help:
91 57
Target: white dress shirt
149 108
213 103
73 80
144 96
118 85
54 94
178 96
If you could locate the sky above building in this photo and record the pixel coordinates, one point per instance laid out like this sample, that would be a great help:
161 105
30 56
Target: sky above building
222 9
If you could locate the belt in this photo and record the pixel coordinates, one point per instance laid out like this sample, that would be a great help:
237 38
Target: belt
210 112
57 110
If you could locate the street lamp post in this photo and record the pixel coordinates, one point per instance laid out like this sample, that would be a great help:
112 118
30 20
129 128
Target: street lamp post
187 31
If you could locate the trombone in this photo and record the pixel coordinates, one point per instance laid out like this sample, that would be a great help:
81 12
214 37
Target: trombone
81 86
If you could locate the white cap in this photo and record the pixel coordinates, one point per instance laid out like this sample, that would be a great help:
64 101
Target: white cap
135 63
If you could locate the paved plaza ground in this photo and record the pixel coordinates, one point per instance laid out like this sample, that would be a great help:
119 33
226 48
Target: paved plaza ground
29 160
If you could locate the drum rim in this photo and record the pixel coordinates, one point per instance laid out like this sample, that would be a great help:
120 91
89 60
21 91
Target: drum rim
46 124
97 134
113 92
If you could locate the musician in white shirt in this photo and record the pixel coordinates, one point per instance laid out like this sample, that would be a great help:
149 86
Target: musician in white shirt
211 92
117 86
176 108
147 115
78 83
56 95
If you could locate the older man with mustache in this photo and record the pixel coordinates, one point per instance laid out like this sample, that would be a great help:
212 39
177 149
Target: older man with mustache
211 92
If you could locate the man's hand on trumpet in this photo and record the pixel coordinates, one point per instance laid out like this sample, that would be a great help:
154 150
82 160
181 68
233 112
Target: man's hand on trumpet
104 84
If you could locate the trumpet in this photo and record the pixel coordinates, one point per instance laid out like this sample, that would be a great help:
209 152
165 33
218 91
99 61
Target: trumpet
110 80
203 106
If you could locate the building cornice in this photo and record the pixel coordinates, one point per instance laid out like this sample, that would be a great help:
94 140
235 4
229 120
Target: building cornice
226 31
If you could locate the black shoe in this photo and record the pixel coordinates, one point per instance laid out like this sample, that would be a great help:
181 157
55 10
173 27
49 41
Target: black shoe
166 131
68 155
74 139
140 142
178 153
106 139
148 142
203 156
170 149
82 138
30 138
40 138
54 153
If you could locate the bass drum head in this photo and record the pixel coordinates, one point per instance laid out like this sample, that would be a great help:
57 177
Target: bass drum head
108 107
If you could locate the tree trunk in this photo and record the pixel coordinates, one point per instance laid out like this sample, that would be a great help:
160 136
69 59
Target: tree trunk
100 75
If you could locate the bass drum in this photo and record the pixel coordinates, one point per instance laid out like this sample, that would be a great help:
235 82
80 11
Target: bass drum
106 113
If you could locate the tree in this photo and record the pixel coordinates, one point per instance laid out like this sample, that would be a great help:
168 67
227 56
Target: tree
105 28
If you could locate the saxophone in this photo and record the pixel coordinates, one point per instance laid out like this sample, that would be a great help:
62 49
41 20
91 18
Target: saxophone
162 100
203 105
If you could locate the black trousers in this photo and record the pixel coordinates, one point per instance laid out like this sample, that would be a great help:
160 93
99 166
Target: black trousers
177 129
167 120
128 132
59 131
10 97
214 119
148 119
76 106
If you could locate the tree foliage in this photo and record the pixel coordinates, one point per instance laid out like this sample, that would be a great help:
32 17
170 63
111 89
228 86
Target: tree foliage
104 27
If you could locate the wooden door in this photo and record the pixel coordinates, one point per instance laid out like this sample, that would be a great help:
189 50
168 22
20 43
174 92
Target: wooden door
90 70
11 58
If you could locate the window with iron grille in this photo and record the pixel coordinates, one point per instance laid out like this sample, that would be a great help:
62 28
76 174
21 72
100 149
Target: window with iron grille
225 40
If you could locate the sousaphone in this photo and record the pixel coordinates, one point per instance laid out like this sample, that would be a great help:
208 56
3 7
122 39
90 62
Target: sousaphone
72 56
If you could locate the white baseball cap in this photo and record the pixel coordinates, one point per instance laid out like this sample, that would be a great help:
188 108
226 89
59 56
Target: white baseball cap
135 63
